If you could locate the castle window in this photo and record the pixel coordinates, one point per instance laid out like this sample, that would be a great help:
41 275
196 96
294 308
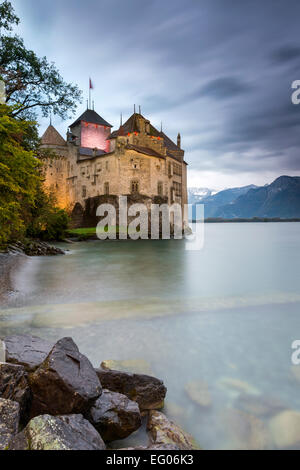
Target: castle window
160 189
170 169
177 189
106 189
177 169
83 171
106 165
83 191
172 195
134 186
135 164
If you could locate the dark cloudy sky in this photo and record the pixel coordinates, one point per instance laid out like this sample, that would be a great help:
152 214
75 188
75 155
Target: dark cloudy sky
218 71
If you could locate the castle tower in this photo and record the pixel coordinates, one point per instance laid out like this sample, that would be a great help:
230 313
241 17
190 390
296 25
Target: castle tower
55 170
52 138
91 131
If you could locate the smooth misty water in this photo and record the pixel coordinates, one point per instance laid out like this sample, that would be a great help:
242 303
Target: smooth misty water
229 311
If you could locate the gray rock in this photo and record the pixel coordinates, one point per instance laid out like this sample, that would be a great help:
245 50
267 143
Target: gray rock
148 392
163 432
14 386
66 382
71 432
35 248
115 416
9 421
26 350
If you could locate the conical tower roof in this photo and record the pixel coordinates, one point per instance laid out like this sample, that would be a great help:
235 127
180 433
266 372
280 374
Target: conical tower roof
91 116
52 137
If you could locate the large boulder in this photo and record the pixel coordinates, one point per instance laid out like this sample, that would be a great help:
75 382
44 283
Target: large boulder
9 421
164 432
115 416
14 386
65 383
71 432
148 392
28 351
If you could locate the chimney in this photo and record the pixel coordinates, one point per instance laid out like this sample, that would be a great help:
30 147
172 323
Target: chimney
179 140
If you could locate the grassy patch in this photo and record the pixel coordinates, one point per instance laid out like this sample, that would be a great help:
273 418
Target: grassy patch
82 231
90 232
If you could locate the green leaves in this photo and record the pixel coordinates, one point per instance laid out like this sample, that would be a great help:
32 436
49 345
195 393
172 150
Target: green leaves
7 16
19 177
32 83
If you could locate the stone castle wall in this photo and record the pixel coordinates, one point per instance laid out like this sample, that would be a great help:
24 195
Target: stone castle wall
79 181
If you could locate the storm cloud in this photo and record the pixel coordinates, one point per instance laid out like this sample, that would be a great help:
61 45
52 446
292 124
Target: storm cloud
218 71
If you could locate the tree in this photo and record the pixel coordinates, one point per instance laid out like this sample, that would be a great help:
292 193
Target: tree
7 16
25 208
32 83
19 176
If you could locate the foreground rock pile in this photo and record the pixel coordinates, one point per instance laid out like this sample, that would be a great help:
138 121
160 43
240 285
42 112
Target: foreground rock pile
51 397
34 248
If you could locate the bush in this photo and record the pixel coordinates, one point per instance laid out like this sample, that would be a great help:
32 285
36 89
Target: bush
56 226
51 224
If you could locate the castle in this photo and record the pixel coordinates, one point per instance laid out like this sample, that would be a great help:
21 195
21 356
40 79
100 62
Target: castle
96 165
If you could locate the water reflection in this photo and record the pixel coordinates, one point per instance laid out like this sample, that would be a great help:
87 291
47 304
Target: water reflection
225 316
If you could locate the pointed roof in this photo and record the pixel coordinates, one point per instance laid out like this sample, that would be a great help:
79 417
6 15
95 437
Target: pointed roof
52 137
168 142
91 116
131 126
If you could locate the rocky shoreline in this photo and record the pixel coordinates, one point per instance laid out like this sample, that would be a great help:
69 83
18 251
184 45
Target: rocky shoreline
52 398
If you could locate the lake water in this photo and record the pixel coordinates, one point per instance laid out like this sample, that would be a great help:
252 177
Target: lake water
224 316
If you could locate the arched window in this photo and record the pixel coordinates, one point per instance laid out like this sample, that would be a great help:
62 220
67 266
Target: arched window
134 186
106 189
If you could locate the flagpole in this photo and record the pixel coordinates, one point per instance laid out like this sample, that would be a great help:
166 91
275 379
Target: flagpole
89 93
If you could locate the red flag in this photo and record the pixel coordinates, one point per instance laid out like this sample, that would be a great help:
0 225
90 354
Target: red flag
91 85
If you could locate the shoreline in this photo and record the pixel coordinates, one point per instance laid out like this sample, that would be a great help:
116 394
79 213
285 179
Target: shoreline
217 220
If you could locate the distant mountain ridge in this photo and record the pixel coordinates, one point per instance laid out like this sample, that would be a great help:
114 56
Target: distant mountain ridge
278 199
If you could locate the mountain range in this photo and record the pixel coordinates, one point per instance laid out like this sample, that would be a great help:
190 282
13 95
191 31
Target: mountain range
278 199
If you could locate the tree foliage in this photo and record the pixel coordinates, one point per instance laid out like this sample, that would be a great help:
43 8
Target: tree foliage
25 208
7 16
19 176
32 83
